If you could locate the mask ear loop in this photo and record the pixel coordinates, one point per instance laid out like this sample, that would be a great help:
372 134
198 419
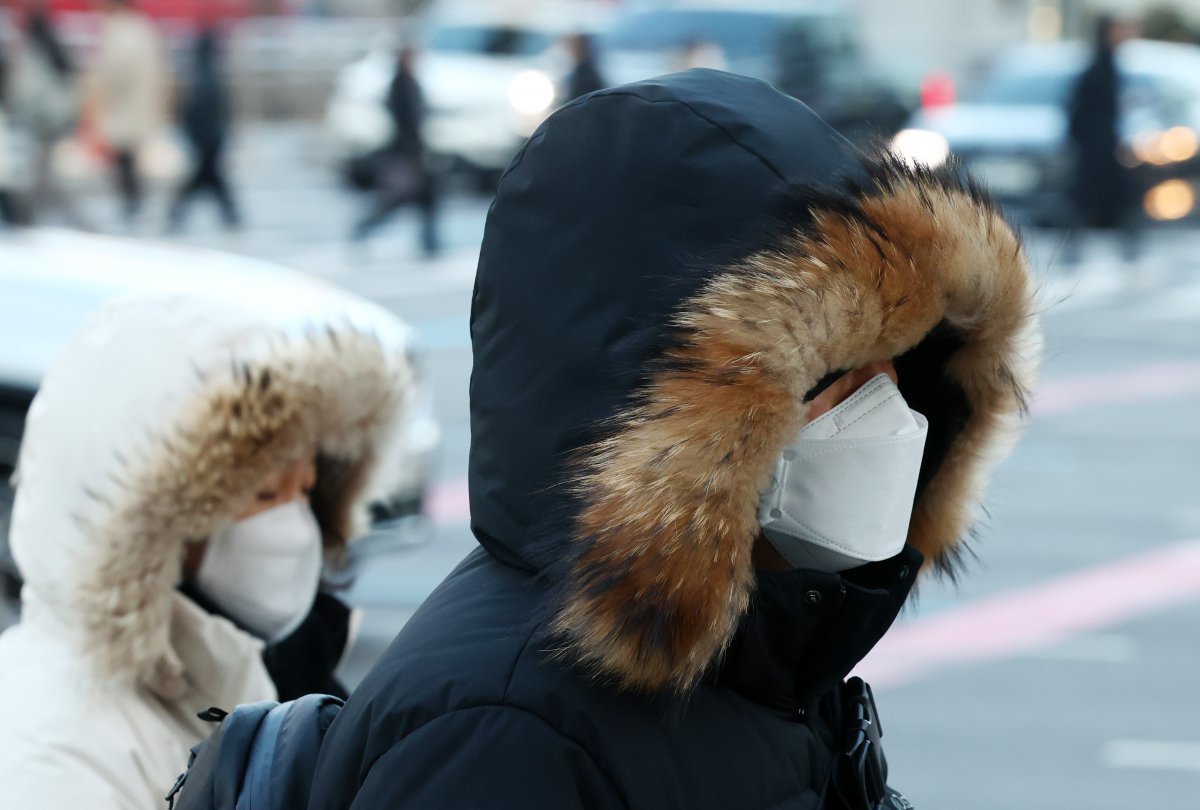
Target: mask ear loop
826 381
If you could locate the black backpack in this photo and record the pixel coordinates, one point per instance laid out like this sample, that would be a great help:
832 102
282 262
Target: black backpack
261 757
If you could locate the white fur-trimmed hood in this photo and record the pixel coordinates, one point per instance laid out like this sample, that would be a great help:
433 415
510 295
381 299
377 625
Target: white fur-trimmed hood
151 430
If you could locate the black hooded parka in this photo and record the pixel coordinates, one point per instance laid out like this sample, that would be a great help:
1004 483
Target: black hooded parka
669 269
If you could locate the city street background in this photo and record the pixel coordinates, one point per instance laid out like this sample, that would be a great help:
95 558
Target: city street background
1060 671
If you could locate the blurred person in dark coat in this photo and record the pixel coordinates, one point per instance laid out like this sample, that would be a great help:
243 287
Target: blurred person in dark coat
205 120
8 215
585 74
1103 191
402 165
46 101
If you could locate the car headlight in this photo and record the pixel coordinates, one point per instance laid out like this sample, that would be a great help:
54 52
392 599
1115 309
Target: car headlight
921 147
1175 145
531 92
1169 200
1179 144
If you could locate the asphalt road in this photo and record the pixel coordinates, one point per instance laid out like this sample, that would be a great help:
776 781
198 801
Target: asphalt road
1061 671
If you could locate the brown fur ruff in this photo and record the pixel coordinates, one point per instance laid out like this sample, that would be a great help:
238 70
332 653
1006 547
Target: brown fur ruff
338 392
662 570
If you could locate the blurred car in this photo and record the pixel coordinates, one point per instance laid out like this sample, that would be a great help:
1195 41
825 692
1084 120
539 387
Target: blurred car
806 50
51 280
1011 132
489 77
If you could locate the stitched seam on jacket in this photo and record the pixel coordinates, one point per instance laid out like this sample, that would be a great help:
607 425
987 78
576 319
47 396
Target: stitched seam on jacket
512 671
689 107
591 757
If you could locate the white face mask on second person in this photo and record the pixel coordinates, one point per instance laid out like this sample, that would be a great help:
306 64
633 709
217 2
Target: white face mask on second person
264 571
842 492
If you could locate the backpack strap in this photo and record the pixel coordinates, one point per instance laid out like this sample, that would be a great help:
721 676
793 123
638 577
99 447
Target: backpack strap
217 765
860 774
284 756
261 757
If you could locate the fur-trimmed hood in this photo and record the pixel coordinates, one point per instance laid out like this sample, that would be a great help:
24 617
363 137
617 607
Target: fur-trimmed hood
153 427
670 270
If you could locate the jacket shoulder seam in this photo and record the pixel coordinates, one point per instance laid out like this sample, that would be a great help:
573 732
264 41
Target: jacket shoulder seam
512 671
553 728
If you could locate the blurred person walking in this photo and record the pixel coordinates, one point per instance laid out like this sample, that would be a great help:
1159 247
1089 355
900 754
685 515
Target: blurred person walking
128 88
403 173
8 208
735 384
1103 191
47 101
585 74
187 473
205 118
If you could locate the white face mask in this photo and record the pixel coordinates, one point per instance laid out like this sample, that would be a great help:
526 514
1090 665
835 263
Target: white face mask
842 492
264 571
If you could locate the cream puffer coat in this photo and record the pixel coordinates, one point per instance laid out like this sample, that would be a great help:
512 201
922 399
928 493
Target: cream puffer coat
151 430
129 76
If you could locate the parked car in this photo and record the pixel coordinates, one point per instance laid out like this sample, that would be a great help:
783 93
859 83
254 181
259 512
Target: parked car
51 280
808 51
489 77
1011 131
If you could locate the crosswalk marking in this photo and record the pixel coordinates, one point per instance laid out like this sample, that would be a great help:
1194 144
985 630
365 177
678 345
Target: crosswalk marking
1143 383
1100 648
1155 755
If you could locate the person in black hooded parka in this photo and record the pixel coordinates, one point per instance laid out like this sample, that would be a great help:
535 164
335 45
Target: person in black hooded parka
669 272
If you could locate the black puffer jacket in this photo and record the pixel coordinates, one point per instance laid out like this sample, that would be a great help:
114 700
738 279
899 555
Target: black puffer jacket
668 270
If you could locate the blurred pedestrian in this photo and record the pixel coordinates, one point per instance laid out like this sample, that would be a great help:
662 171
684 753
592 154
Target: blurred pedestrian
46 101
1103 191
129 83
729 396
404 176
8 209
187 472
205 119
9 214
700 53
584 76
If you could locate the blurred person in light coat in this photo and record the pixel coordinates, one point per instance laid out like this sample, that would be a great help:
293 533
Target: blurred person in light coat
46 102
129 84
187 473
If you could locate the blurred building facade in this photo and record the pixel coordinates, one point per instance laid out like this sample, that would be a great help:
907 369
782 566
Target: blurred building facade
367 8
959 37
918 37
284 54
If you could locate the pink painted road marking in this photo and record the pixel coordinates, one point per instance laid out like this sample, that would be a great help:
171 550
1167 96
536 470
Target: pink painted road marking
1148 382
1037 617
449 503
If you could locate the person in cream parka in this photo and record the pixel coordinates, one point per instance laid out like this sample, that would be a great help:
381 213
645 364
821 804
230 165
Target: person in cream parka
187 472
